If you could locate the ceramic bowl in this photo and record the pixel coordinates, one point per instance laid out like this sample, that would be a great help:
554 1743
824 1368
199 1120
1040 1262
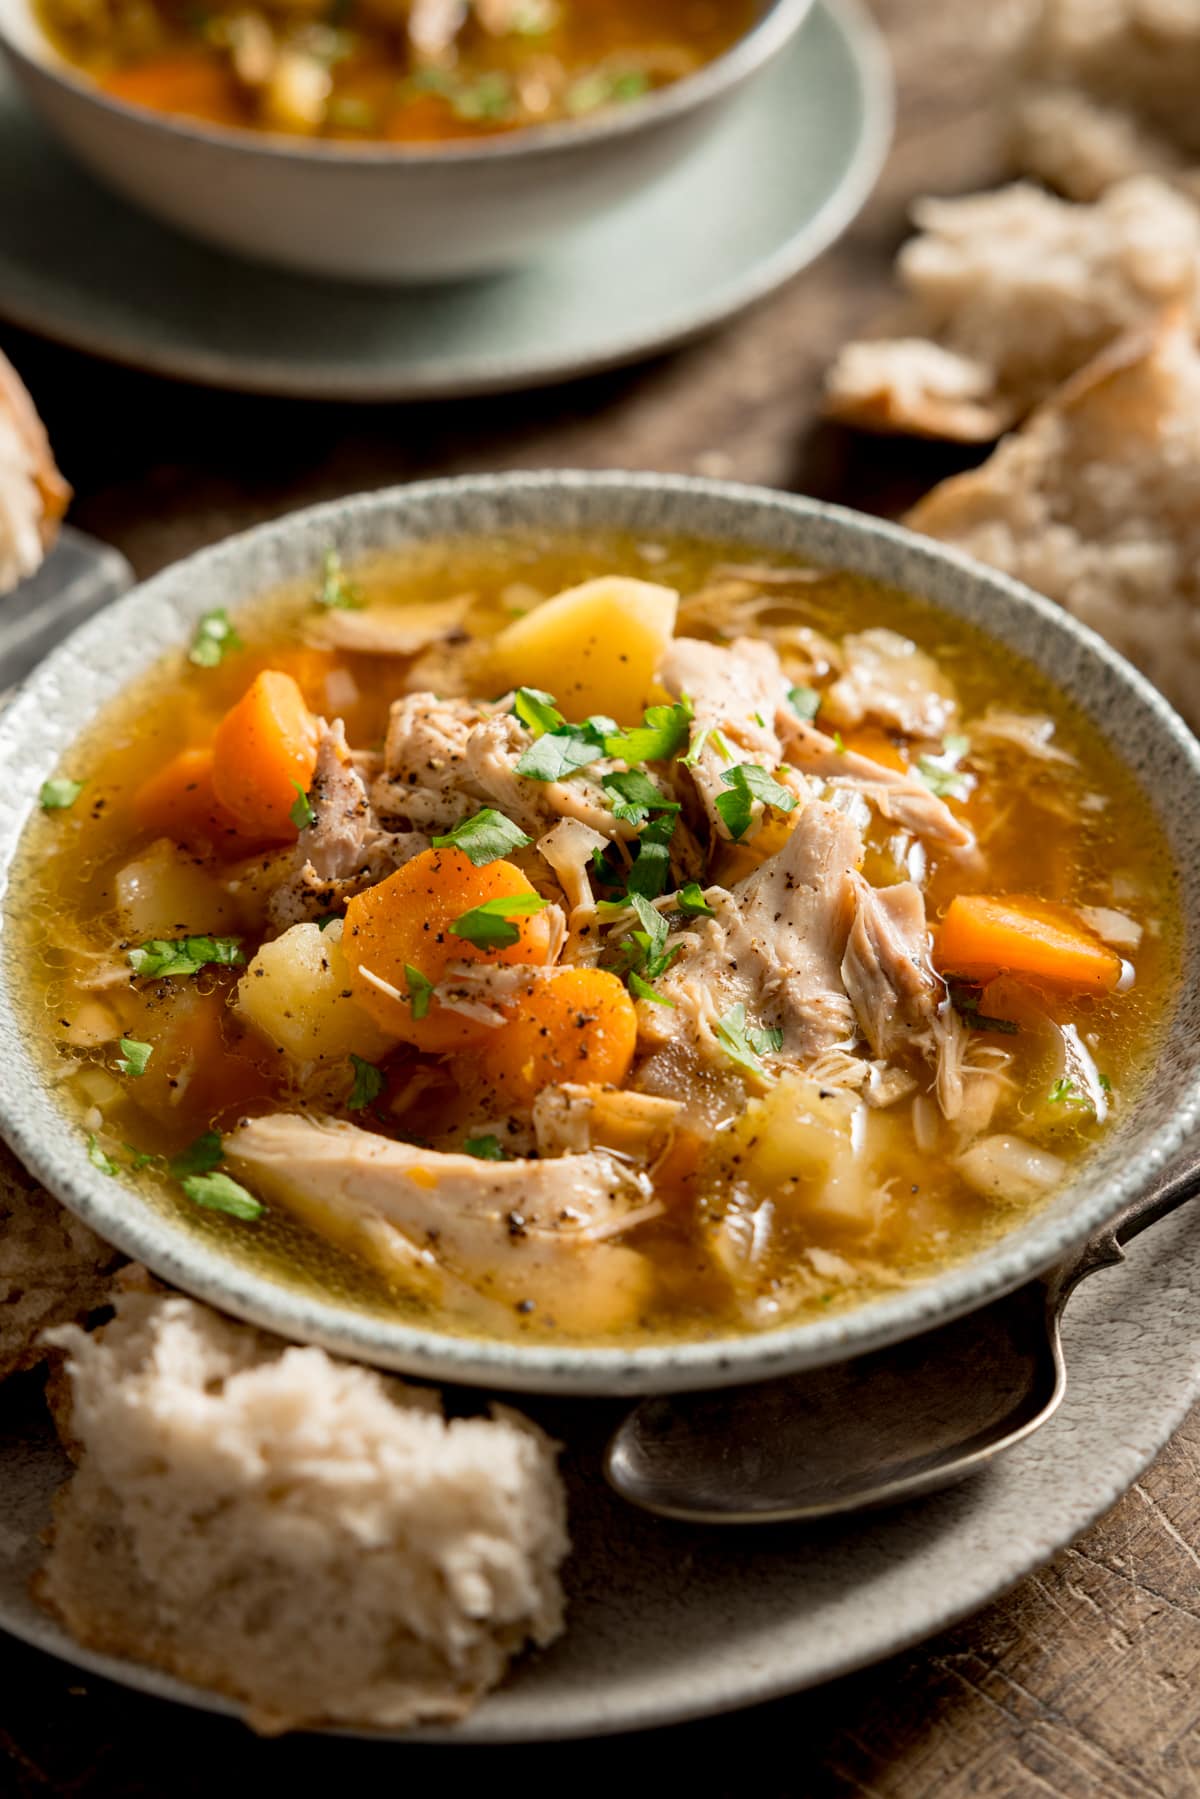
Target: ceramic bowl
99 659
383 213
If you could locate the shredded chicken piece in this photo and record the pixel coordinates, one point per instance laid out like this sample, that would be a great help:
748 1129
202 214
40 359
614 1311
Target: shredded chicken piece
392 630
892 987
735 693
889 681
571 1119
901 797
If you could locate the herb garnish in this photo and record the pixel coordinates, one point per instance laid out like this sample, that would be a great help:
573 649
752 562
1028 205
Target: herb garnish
634 796
215 639
337 592
747 783
199 1157
134 1056
662 734
59 793
369 1083
537 711
601 88
941 774
651 871
744 1045
302 814
710 734
485 1149
805 702
966 999
221 1193
185 955
1063 1089
556 755
97 1157
420 989
488 927
487 837
692 901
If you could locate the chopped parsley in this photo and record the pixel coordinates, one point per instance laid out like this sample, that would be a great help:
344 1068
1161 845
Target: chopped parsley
160 957
651 871
487 837
744 1045
134 1056
645 952
634 796
641 989
692 901
710 734
488 927
59 793
219 1192
537 711
97 1157
805 702
302 814
605 88
199 1157
215 639
663 732
747 783
336 591
558 754
485 1149
369 1083
420 989
967 999
1062 1090
941 774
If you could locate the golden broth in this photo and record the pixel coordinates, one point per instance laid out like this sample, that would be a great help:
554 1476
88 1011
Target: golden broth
1077 832
348 71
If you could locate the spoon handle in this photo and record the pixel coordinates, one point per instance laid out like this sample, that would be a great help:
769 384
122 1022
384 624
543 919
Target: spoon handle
1174 1185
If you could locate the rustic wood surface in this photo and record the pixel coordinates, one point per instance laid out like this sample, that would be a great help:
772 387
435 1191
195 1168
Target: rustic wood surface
1084 1681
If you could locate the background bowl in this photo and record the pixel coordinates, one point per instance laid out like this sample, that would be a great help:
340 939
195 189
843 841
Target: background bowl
104 655
383 212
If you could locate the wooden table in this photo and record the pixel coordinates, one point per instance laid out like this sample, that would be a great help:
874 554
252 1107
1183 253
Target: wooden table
1083 1682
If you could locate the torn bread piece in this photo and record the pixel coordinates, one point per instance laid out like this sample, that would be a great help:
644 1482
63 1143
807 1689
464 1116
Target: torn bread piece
306 1536
1010 292
33 495
53 1269
1109 91
1096 503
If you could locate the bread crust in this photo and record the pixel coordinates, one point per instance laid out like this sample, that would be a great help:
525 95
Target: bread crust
53 491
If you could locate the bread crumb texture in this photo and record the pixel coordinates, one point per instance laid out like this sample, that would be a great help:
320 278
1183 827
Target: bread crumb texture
310 1538
33 495
1096 503
52 1267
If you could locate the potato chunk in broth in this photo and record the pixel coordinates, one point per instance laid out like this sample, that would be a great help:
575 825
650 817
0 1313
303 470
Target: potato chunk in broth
596 940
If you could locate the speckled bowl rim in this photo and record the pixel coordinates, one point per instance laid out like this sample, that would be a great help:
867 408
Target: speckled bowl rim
750 54
63 695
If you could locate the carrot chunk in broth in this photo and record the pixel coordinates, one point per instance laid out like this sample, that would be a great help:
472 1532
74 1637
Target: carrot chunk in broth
985 935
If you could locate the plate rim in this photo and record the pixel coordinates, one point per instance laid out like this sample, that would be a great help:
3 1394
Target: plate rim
485 375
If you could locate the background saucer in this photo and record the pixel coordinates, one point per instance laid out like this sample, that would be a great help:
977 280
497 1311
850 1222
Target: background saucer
776 184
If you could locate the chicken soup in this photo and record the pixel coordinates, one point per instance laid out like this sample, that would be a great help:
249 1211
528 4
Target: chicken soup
594 940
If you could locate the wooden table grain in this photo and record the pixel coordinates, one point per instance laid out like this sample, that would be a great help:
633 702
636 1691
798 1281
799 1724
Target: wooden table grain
1083 1682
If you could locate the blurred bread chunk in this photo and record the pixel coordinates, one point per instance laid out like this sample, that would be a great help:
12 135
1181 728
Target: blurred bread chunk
53 1269
33 495
1008 294
309 1537
1096 503
1109 91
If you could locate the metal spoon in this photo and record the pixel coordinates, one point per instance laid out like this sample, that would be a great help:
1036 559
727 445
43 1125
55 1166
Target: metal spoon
884 1427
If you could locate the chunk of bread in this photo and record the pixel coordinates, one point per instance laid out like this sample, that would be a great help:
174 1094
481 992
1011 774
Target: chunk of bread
309 1537
1110 90
52 1268
1010 293
33 495
1096 502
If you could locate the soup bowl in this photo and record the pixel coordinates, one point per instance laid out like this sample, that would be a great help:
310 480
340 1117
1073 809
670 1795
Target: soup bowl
384 212
99 660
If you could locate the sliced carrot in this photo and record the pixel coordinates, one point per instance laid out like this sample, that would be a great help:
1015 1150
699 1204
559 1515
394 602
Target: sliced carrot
181 802
195 84
265 748
579 1024
877 745
405 922
984 935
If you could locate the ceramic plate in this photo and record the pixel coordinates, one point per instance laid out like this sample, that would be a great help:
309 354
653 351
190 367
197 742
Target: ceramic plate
775 185
668 1624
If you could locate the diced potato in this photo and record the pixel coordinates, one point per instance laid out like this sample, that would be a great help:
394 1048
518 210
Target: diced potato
597 648
296 991
801 1145
164 894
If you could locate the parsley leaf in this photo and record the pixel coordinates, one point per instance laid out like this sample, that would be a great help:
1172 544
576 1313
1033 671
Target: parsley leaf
486 837
302 814
537 711
747 783
97 1157
199 1157
710 734
1063 1089
485 1149
966 998
651 870
134 1056
221 1193
662 734
488 927
337 592
946 783
743 1045
369 1083
59 793
692 901
214 640
420 989
185 955
642 989
805 702
556 755
634 796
